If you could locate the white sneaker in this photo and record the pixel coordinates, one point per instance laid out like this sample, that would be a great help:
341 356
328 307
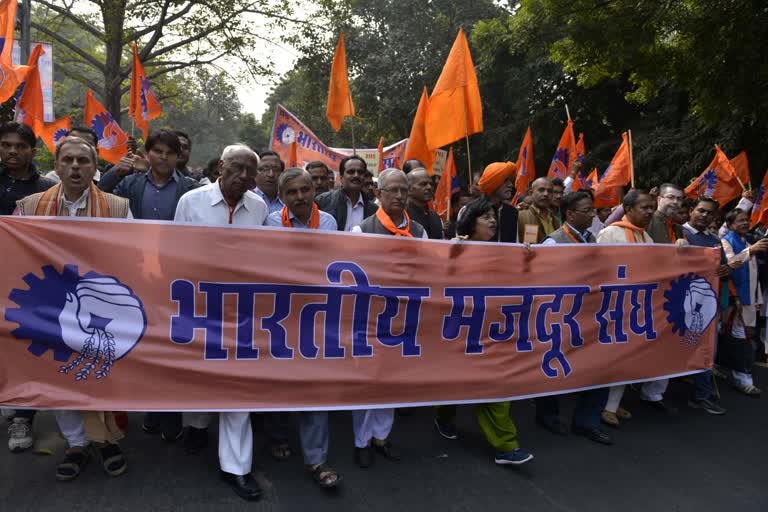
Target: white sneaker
20 435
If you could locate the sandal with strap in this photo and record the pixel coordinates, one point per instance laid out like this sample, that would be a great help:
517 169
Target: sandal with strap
324 475
70 467
112 459
280 450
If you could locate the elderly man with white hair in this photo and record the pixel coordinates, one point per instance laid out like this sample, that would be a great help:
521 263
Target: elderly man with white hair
229 200
372 426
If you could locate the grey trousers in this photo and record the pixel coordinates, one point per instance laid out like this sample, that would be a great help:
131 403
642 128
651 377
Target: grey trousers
313 431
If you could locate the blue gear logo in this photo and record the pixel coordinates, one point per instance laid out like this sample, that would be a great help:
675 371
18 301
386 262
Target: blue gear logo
691 306
708 183
94 317
285 134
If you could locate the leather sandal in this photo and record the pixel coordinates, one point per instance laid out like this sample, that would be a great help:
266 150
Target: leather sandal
324 475
72 464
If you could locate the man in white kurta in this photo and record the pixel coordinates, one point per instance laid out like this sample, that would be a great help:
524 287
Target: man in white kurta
229 201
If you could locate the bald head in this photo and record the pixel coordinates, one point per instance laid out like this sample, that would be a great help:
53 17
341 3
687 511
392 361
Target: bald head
541 192
387 174
421 188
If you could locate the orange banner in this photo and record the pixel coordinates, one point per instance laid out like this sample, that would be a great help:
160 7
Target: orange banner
325 320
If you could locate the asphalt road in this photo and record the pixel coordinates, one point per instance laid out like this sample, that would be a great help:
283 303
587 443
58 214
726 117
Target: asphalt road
688 462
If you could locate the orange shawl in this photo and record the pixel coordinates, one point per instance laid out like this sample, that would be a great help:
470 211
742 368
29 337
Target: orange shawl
49 203
314 218
390 226
631 231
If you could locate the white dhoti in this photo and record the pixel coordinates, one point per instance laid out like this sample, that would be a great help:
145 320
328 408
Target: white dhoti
72 427
235 442
370 423
653 391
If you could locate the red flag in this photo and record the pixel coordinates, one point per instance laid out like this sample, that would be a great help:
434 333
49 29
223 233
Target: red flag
293 157
455 109
29 108
380 152
11 76
448 185
417 141
718 181
760 208
339 96
526 168
113 141
143 106
740 165
619 172
52 133
565 154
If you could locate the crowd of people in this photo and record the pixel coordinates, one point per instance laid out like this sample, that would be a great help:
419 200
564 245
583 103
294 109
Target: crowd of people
248 188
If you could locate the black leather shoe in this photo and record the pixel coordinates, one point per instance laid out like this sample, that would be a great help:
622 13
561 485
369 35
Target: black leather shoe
363 457
593 434
387 450
244 486
660 406
555 426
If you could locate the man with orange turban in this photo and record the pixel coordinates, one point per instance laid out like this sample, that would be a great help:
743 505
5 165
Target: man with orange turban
497 183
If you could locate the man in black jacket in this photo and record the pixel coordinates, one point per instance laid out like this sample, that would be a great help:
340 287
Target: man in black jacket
421 191
154 194
348 205
18 175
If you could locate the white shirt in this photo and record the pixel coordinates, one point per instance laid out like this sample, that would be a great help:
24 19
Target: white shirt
355 212
206 205
81 202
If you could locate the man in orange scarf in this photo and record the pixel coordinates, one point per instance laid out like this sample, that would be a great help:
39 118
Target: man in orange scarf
297 192
76 196
372 426
638 209
497 183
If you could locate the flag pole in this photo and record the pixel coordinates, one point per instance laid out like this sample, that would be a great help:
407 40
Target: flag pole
466 137
349 102
567 112
631 160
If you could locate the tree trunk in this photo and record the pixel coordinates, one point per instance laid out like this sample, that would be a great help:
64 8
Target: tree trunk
113 13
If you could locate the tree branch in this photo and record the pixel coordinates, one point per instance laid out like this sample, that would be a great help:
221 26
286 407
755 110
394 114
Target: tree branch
73 47
67 13
79 77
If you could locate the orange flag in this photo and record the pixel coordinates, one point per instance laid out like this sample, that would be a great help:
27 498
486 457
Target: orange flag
339 96
11 76
293 157
113 141
740 165
380 153
526 168
607 197
760 208
718 181
143 106
455 110
52 133
448 185
417 141
619 172
565 154
29 108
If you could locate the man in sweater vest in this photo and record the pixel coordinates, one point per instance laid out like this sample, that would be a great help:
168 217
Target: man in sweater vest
537 222
578 209
77 196
695 232
372 426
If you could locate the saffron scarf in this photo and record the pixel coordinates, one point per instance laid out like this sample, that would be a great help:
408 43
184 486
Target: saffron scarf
390 226
96 204
314 218
631 231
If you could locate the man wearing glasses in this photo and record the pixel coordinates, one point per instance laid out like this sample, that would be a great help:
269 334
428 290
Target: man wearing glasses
662 228
270 168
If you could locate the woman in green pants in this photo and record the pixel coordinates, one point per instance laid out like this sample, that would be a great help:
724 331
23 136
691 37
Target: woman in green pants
477 222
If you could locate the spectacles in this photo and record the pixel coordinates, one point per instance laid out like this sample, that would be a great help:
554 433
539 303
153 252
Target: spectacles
673 198
267 169
403 191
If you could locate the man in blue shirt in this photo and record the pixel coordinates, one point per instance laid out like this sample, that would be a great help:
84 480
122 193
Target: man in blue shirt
153 195
270 169
695 231
297 192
